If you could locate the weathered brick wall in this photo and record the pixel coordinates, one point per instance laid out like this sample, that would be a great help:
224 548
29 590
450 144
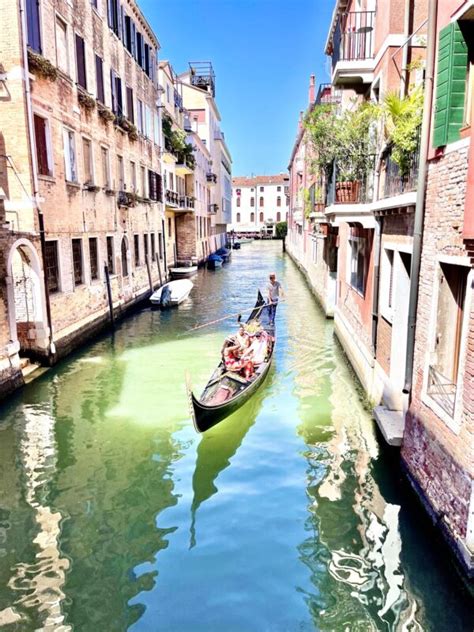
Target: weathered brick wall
437 457
384 344
186 236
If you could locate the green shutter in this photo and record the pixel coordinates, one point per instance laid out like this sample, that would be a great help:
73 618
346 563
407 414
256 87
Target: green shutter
450 85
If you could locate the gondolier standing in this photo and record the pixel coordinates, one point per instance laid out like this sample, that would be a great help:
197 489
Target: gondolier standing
274 290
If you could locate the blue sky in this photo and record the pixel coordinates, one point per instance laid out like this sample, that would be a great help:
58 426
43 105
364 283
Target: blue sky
263 52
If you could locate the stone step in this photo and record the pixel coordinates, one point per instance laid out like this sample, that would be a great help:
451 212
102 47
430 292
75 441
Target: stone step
30 369
391 424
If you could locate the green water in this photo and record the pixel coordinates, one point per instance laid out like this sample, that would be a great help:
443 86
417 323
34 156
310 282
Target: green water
288 516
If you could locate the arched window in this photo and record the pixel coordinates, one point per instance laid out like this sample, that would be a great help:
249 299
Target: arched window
252 217
238 201
278 201
261 217
252 201
238 217
124 251
261 201
278 216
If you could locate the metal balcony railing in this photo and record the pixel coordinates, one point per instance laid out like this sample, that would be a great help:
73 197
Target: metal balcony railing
213 208
172 197
328 95
351 190
353 37
186 201
211 177
395 183
442 390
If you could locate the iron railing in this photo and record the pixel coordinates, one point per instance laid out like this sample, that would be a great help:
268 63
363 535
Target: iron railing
328 95
395 182
186 201
172 197
353 37
355 190
442 390
211 177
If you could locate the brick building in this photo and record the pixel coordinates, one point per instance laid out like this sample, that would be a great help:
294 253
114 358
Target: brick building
389 308
259 202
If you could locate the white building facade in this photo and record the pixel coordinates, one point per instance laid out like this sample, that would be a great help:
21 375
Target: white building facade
258 203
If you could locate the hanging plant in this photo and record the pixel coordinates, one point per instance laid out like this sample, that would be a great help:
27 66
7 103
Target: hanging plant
403 116
133 133
40 66
86 100
105 114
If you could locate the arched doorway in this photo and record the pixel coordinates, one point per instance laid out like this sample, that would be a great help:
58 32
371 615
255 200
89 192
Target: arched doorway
26 301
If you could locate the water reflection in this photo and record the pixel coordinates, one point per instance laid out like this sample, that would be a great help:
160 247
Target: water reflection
217 448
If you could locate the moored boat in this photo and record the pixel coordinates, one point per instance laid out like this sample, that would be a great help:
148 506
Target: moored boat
183 272
214 262
172 293
226 391
224 253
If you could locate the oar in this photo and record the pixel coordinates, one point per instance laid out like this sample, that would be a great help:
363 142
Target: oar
219 320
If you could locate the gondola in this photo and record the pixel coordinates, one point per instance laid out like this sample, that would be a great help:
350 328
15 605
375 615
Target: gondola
230 389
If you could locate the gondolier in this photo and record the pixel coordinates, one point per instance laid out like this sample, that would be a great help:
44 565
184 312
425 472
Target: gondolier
273 291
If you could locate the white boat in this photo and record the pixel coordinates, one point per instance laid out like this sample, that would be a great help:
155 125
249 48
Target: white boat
179 291
183 272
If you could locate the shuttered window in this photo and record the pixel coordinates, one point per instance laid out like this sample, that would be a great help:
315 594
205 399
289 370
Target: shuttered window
52 268
33 25
450 85
136 248
99 75
77 261
81 62
153 247
87 159
62 49
139 50
116 90
130 112
41 140
130 37
94 259
152 186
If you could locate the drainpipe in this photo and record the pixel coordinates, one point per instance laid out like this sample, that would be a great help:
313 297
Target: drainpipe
406 32
34 166
420 194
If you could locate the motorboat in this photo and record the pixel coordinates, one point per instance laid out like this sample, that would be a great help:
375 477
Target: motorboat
183 272
172 293
214 262
224 253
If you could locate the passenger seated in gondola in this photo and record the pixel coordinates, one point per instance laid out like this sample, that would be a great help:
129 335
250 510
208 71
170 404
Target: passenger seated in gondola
256 352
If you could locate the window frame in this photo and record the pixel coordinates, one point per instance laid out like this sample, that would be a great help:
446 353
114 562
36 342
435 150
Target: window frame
87 140
79 40
97 276
77 240
59 18
48 146
68 165
58 267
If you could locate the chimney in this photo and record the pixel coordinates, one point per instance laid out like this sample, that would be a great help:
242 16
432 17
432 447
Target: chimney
311 92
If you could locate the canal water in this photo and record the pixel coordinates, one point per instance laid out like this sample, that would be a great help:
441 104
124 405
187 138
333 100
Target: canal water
288 516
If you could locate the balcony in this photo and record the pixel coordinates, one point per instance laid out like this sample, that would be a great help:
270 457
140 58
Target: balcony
169 153
328 95
395 183
211 177
185 165
213 208
352 49
186 203
172 199
351 190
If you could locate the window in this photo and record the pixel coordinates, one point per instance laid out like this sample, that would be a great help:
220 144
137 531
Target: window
278 189
70 156
278 201
94 258
114 16
148 123
99 77
238 202
133 176
130 35
130 112
261 189
116 91
146 65
62 49
95 4
153 247
136 249
261 217
444 368
238 218
139 50
252 201
52 267
43 152
81 62
143 189
170 228
33 25
120 174
278 216
104 155
252 217
110 255
261 202
140 116
87 156
357 271
124 253
145 246
77 261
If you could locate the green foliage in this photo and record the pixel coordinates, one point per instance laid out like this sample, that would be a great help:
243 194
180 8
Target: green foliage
40 66
403 117
321 126
308 206
281 229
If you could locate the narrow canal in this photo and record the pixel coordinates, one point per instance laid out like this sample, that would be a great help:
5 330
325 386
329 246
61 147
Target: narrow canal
289 516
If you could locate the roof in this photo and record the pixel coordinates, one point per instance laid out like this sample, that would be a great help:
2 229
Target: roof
281 178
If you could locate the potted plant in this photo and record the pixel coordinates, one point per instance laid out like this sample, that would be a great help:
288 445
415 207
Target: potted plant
86 100
105 114
41 66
